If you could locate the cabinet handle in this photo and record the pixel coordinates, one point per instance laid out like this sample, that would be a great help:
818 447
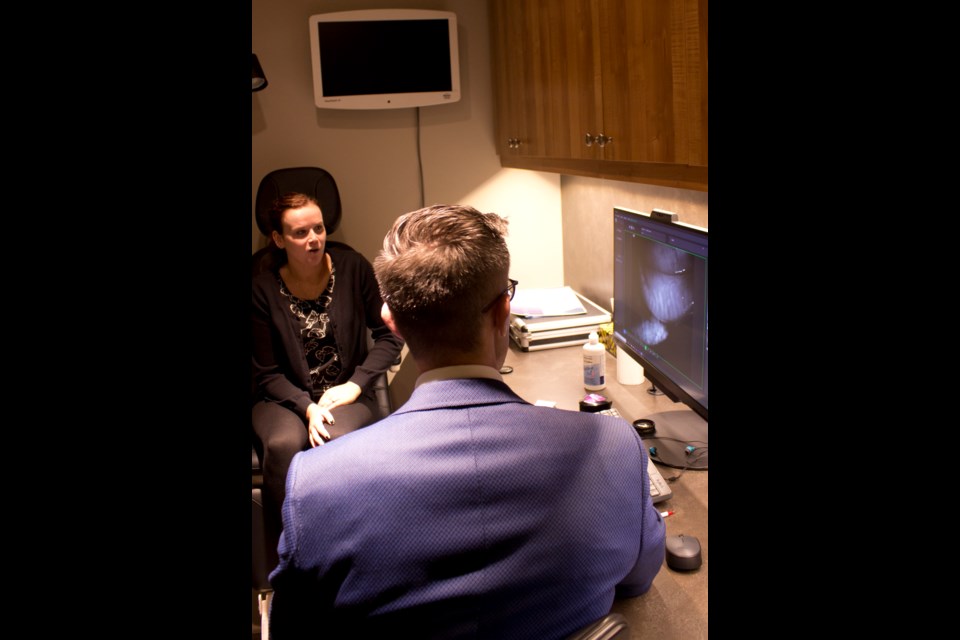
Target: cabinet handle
600 140
513 143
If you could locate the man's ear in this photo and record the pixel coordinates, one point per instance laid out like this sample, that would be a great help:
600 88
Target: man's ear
501 316
387 318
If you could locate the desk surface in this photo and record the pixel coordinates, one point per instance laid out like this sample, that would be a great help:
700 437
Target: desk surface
676 605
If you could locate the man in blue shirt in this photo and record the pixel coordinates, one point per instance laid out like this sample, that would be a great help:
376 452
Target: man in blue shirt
467 513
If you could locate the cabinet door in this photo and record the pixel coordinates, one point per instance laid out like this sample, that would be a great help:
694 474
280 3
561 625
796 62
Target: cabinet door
512 49
545 68
570 73
654 78
605 88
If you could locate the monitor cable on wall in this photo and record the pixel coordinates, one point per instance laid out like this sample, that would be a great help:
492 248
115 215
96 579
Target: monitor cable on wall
420 161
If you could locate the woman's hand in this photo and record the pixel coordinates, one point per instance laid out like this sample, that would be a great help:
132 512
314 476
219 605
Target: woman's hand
341 394
319 413
317 416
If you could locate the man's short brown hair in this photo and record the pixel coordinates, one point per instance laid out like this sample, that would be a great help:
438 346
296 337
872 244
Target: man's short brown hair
439 267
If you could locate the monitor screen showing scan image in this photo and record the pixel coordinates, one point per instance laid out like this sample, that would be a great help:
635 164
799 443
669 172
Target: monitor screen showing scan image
660 319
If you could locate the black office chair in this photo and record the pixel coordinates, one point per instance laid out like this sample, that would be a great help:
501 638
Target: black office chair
319 184
312 181
612 626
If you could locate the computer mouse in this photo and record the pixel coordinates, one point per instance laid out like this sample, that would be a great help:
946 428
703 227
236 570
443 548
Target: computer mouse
683 553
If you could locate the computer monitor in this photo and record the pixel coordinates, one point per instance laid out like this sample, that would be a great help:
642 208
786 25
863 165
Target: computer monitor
660 320
384 58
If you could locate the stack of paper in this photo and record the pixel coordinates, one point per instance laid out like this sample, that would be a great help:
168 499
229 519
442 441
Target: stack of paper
546 318
539 303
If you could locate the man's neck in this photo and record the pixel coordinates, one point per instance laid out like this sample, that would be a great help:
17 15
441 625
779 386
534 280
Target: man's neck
427 364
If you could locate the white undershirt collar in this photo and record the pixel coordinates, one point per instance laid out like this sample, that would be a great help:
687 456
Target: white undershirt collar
458 371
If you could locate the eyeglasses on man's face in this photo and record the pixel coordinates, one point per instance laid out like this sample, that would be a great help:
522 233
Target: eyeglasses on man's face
511 289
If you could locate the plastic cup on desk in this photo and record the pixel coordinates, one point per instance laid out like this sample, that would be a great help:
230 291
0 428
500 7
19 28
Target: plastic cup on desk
629 371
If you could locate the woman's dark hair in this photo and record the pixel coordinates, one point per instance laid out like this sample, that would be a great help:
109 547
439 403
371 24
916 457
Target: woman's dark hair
284 203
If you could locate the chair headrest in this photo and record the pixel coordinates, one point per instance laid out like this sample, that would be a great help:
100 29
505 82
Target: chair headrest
312 181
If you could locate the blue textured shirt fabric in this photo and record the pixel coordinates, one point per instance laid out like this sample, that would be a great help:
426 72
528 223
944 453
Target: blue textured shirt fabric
468 513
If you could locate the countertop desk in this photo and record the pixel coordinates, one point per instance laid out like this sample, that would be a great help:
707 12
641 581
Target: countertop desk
676 605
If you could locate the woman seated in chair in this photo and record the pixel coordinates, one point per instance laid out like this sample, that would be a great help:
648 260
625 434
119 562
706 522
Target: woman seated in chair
314 372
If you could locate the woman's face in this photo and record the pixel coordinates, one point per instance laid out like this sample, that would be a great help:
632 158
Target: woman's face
304 237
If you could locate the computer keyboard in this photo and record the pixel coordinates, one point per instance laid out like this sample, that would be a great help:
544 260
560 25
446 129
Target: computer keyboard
659 489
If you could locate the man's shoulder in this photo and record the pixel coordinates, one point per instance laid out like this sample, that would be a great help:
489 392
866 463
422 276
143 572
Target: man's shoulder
325 461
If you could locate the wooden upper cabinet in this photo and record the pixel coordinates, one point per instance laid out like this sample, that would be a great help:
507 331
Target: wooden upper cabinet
512 72
654 80
568 71
605 88
545 74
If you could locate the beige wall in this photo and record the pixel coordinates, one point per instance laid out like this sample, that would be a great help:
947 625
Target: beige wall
588 226
373 155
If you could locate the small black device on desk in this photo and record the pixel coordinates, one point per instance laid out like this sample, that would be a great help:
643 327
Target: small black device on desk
645 427
596 403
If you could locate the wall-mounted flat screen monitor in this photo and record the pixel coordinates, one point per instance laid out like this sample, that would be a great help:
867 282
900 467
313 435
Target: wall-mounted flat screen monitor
384 58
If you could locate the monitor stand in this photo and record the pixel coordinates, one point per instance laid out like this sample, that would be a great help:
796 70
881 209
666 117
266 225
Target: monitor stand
675 431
